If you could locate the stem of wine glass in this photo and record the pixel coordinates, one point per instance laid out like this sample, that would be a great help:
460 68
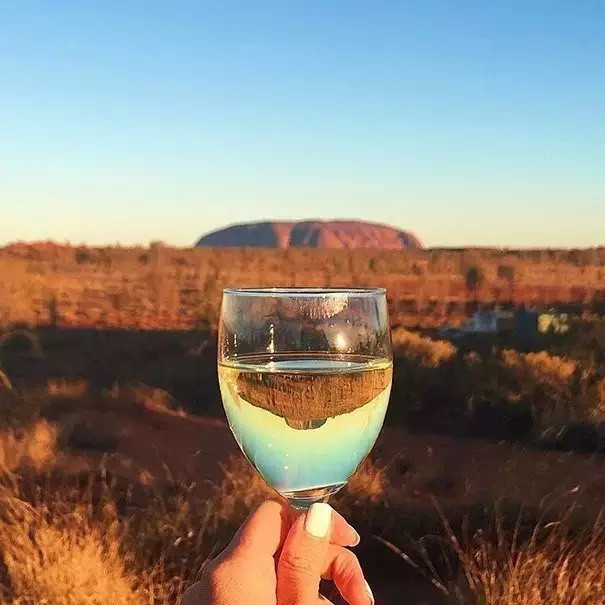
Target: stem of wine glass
303 499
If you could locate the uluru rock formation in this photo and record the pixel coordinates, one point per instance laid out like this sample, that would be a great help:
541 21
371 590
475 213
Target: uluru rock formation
311 234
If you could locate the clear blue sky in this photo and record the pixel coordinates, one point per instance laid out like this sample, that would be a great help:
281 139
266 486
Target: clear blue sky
470 123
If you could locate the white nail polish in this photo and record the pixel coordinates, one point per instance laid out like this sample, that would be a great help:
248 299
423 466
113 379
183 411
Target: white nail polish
370 594
318 519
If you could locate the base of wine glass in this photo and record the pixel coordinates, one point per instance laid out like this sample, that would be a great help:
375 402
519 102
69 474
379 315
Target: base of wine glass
304 498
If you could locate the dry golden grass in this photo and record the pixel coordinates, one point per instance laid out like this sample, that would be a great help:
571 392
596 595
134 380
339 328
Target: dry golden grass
553 567
241 489
600 399
67 548
368 485
65 544
426 351
33 446
63 560
70 548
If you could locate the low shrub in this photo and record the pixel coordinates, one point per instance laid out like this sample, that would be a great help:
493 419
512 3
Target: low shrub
33 446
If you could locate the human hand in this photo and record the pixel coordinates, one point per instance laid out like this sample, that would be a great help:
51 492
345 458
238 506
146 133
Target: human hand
278 558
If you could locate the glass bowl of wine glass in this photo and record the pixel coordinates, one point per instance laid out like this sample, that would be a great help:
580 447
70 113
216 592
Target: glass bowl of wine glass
305 377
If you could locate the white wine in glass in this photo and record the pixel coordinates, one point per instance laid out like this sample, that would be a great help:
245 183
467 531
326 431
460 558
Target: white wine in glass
305 377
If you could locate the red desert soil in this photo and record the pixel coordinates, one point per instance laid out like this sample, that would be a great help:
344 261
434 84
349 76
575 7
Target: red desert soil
421 466
447 467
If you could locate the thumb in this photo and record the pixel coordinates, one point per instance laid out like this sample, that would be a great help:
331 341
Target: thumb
302 558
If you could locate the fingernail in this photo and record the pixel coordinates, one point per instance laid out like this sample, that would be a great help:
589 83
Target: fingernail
372 601
318 519
357 537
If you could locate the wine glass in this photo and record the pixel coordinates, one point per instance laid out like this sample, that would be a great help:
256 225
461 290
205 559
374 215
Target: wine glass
305 376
